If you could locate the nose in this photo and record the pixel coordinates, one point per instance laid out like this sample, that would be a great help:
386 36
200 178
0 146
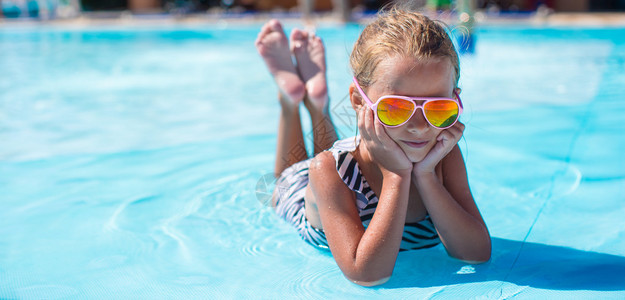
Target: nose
417 122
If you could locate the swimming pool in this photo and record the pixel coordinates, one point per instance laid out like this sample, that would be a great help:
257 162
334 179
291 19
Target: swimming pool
130 160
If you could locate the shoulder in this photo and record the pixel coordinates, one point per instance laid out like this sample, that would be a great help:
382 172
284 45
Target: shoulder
322 162
325 179
322 170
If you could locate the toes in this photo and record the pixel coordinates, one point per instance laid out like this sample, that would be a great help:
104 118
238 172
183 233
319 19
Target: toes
268 28
315 41
298 37
275 25
265 29
270 35
296 34
316 38
299 34
261 34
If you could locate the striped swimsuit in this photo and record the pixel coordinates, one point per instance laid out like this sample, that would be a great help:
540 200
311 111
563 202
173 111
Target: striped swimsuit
290 204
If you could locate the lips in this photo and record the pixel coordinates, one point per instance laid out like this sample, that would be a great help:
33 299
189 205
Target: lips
416 144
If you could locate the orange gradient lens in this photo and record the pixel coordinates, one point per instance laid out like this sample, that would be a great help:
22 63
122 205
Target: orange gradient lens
441 113
392 111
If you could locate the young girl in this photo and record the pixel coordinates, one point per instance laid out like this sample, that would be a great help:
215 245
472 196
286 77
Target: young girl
402 183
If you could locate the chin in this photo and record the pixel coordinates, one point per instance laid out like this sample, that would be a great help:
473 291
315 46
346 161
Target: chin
416 155
416 158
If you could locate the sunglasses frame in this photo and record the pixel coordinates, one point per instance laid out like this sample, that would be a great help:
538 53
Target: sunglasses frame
374 106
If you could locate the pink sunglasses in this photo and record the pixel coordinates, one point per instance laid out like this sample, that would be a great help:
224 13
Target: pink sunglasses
394 111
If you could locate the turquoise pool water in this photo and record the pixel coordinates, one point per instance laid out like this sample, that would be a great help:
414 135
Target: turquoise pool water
130 158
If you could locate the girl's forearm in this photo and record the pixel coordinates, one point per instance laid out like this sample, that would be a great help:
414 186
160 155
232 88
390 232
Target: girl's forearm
379 245
465 237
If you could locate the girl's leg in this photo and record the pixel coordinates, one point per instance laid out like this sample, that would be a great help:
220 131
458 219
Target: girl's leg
272 44
311 64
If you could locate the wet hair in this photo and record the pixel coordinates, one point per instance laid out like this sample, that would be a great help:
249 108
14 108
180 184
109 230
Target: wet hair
401 32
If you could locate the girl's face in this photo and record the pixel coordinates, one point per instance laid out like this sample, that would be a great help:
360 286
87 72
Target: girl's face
414 78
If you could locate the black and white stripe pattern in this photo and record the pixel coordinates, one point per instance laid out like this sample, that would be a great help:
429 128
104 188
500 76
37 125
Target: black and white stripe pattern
291 187
416 235
289 194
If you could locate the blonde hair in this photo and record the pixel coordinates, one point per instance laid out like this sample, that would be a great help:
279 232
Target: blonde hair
405 33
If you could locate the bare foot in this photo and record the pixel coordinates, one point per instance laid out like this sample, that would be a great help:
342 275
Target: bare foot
311 64
272 45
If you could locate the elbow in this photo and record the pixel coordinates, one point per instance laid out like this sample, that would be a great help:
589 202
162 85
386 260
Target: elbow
368 281
478 256
367 277
473 259
478 259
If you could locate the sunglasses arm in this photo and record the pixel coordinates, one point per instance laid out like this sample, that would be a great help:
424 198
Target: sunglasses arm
362 93
459 101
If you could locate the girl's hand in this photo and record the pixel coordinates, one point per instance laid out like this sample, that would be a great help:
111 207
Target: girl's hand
446 141
386 153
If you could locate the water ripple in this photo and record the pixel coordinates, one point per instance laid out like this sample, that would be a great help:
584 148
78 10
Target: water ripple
111 225
311 284
270 243
169 226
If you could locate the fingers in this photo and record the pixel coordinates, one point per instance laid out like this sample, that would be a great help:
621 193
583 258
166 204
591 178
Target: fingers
449 137
380 132
375 131
456 131
361 123
446 140
366 123
458 126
